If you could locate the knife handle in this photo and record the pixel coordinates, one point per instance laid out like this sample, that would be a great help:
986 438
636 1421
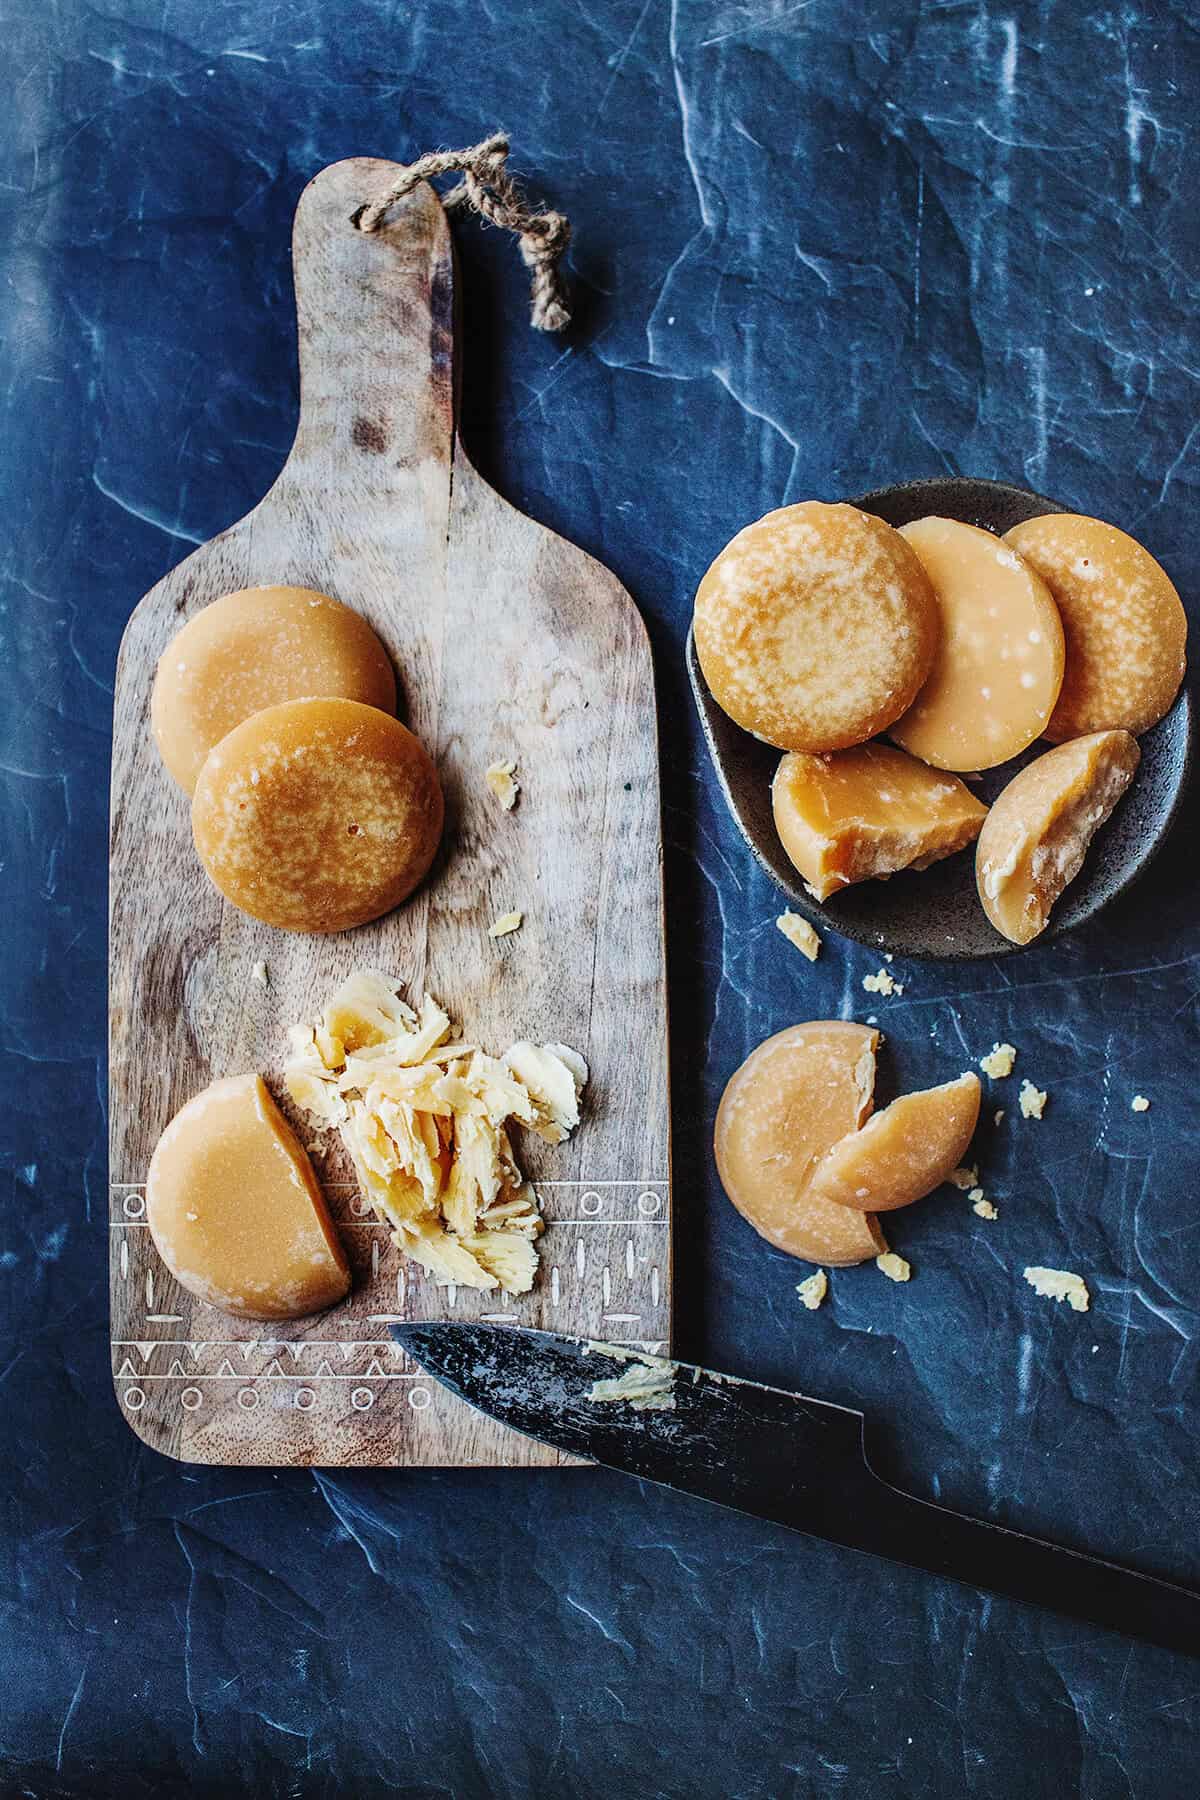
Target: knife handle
994 1557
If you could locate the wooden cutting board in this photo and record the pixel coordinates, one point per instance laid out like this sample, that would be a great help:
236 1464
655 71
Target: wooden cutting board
507 642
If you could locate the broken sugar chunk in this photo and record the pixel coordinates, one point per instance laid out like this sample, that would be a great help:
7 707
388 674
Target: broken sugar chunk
506 923
798 931
893 1266
501 778
236 1211
999 1061
789 1103
1139 1103
903 1152
1031 1100
981 1205
964 1178
554 1076
1059 1284
1037 834
999 664
813 1290
645 1385
884 982
865 813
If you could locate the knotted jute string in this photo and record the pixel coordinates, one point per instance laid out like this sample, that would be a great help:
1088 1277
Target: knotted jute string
489 189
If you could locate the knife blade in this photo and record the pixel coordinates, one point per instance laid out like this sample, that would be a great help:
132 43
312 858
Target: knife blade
781 1456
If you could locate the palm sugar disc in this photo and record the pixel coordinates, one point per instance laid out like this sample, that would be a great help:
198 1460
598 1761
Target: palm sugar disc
935 912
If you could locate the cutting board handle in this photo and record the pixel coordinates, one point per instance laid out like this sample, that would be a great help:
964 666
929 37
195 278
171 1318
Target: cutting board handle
375 329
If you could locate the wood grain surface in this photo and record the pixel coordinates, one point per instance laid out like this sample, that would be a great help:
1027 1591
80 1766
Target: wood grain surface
507 642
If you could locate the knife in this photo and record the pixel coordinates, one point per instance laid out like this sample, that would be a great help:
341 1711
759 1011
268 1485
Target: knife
780 1456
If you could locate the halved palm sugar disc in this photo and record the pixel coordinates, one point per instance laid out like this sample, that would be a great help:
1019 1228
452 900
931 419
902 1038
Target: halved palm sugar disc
317 815
254 649
869 811
816 627
905 1151
782 1111
999 664
1036 836
1125 626
236 1212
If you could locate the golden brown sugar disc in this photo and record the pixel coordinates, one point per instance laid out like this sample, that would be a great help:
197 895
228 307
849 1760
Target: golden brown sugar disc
254 649
317 815
904 1152
816 627
1037 834
999 663
236 1212
782 1111
1125 627
867 812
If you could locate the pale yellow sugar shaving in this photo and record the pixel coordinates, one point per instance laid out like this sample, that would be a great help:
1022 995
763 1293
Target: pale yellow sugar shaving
647 1387
799 932
1031 1100
999 1061
1139 1103
506 923
893 1266
814 1290
425 1122
501 778
1059 1284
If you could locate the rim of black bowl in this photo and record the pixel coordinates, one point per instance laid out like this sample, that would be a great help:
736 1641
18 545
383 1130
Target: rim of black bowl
934 914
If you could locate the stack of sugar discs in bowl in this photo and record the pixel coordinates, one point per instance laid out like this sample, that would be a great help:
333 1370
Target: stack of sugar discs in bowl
887 665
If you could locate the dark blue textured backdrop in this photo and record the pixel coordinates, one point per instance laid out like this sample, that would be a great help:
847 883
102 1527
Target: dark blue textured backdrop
814 254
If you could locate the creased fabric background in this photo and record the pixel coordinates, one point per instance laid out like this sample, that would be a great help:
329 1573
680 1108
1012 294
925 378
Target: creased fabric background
818 247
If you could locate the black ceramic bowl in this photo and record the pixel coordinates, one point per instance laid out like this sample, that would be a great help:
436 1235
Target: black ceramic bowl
936 911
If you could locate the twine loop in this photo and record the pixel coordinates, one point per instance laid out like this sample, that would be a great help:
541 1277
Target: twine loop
488 189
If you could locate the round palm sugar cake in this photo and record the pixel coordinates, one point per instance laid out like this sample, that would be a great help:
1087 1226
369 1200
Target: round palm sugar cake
257 648
1124 624
816 627
317 815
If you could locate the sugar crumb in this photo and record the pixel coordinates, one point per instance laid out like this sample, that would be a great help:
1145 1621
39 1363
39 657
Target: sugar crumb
1059 1284
997 1116
259 973
1031 1100
814 1290
882 983
501 777
507 922
1139 1103
893 1266
799 932
965 1178
999 1061
981 1206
